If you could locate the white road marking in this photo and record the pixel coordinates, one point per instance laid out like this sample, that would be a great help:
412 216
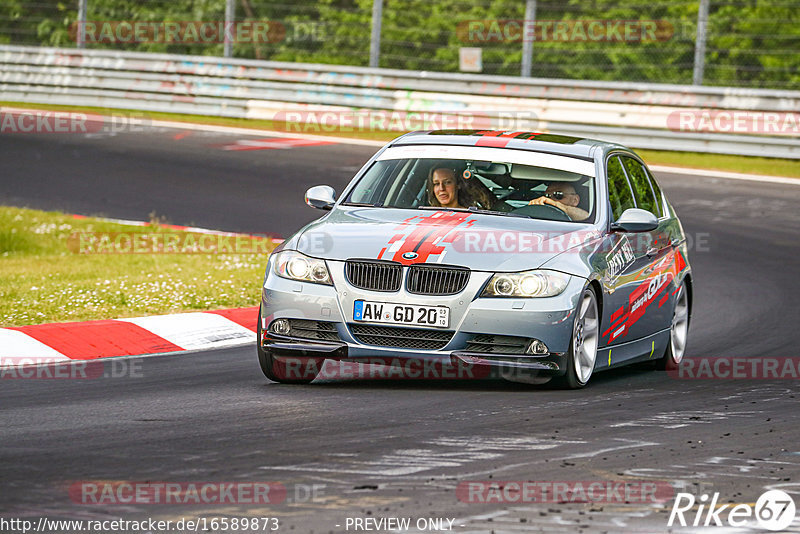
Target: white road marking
448 453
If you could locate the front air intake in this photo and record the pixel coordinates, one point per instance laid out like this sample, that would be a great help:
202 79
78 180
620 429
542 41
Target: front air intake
374 275
400 337
426 279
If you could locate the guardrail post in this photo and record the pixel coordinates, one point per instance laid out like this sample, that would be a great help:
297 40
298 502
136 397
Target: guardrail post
528 35
375 38
230 13
700 44
81 37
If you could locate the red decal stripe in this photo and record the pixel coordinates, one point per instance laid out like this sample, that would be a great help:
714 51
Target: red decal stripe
616 324
495 142
246 317
426 233
680 263
98 339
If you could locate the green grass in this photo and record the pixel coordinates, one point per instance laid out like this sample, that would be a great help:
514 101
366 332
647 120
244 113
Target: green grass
724 162
45 278
745 164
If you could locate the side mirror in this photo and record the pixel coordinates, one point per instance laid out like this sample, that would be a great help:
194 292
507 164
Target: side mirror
322 197
635 220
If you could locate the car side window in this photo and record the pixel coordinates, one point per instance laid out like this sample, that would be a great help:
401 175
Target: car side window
619 192
657 191
645 198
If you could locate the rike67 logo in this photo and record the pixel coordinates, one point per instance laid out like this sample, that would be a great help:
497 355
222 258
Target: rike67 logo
774 510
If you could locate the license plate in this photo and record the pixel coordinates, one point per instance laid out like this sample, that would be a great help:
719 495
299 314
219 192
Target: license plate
409 314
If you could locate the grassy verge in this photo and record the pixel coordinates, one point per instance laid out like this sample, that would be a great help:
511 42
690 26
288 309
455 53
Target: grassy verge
724 162
721 162
47 274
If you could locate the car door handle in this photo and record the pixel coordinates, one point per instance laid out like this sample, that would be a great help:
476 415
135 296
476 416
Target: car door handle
652 251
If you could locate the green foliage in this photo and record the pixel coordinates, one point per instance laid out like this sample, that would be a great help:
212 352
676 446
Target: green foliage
751 43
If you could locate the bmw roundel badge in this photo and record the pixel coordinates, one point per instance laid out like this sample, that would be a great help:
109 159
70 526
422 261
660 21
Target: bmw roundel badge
410 255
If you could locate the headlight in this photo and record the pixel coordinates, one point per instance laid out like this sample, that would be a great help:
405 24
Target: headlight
296 266
540 283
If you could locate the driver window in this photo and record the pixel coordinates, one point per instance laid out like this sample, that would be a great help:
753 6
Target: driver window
619 191
645 198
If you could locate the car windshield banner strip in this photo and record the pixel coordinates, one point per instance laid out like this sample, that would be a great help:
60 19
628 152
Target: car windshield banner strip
522 157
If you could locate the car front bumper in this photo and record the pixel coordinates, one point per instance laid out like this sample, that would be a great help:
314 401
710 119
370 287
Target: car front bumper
549 320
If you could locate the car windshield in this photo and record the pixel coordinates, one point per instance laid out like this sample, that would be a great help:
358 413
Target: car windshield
496 181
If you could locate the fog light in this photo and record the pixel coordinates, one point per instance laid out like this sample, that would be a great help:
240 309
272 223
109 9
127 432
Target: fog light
281 326
536 347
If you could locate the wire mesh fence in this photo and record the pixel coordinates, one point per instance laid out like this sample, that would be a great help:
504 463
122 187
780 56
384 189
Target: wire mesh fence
749 43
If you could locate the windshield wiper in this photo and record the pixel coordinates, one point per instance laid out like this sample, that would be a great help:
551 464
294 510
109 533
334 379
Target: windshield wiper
504 213
477 210
442 208
361 204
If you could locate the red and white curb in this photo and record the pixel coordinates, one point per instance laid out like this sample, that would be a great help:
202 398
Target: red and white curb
47 343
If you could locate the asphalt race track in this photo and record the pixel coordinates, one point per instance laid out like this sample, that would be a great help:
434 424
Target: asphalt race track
385 448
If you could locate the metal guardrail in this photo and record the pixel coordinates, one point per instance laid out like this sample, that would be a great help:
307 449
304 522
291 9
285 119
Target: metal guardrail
633 114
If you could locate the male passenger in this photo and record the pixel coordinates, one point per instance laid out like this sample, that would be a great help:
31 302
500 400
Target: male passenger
562 195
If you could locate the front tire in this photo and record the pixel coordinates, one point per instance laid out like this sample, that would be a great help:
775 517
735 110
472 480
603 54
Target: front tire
582 354
678 333
289 370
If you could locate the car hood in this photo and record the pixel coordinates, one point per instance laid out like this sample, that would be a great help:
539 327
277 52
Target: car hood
478 241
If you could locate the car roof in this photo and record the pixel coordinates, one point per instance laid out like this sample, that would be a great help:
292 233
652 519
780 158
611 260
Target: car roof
533 141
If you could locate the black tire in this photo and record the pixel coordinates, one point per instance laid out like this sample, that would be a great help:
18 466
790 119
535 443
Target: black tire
582 359
301 370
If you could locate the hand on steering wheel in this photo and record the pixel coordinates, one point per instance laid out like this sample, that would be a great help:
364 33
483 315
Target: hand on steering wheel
543 210
545 201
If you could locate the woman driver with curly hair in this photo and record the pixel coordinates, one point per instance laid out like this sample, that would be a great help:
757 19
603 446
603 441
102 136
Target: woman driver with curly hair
447 190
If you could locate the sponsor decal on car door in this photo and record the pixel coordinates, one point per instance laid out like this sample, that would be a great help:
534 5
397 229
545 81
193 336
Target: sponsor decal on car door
650 285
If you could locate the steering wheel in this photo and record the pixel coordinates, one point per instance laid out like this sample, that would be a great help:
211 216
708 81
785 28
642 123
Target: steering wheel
543 211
